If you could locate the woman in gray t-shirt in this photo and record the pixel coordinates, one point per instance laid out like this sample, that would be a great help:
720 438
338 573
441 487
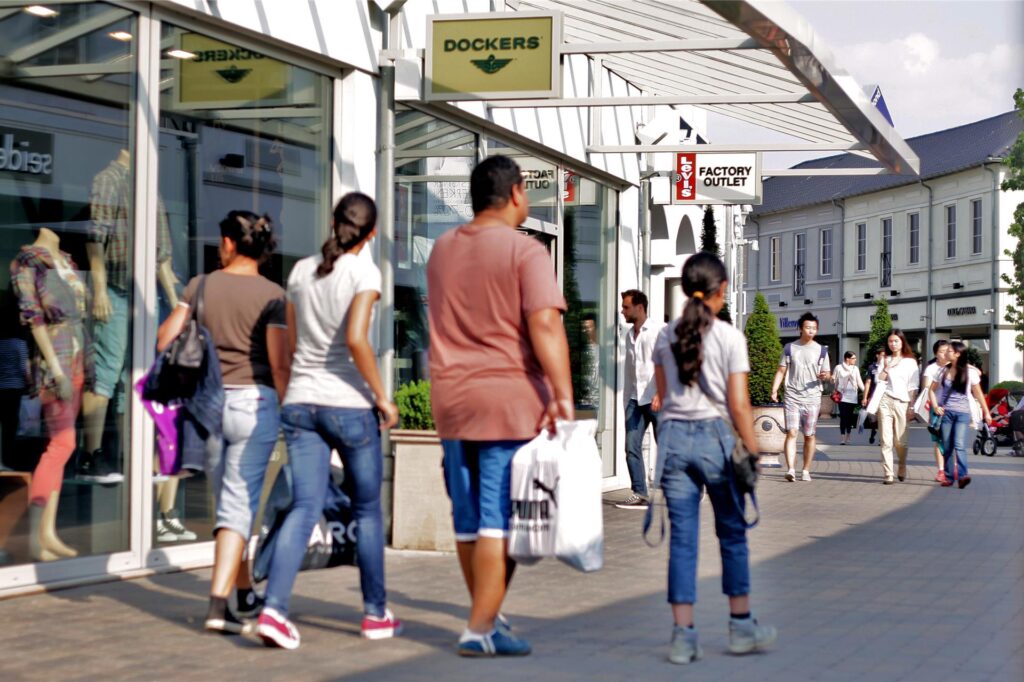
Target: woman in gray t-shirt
701 367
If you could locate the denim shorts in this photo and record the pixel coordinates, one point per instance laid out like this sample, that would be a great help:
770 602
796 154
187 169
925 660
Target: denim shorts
110 345
478 476
237 462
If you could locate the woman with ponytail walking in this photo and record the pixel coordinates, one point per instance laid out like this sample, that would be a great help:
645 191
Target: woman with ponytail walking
335 400
951 395
701 367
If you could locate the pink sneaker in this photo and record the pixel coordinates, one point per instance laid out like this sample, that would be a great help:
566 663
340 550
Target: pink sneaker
375 627
940 477
276 630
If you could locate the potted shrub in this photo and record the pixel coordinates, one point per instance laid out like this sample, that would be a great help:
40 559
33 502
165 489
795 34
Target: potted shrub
765 349
421 511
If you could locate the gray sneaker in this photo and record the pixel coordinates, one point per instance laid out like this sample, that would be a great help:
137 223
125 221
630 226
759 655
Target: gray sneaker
685 648
746 635
634 501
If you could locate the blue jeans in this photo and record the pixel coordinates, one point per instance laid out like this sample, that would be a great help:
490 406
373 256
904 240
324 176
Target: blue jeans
237 461
697 453
638 418
954 435
311 431
478 478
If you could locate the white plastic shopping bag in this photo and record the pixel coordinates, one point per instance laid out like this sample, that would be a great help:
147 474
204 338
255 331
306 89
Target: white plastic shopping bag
556 498
579 533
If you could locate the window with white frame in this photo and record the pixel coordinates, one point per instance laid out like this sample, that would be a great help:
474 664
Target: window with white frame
976 227
914 231
800 263
826 252
885 269
776 255
862 247
951 231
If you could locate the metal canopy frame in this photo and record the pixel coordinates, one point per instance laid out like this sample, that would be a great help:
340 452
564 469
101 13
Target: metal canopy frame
751 60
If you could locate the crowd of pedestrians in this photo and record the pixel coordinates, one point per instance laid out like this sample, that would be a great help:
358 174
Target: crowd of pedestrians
300 360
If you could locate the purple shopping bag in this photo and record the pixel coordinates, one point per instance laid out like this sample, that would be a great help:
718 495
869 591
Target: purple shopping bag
166 419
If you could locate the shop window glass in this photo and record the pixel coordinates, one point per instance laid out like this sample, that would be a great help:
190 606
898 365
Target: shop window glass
66 236
239 130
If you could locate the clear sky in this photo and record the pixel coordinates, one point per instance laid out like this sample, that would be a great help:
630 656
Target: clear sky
940 63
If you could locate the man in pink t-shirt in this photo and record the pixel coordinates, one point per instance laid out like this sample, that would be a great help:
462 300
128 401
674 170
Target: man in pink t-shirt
499 367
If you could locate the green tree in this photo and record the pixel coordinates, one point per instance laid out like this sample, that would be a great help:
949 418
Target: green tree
764 348
1015 182
881 323
709 243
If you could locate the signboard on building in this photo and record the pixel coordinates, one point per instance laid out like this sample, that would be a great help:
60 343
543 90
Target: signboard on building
968 311
910 316
220 74
26 155
716 178
488 56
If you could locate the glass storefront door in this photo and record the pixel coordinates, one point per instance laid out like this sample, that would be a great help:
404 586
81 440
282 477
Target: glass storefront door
239 130
67 168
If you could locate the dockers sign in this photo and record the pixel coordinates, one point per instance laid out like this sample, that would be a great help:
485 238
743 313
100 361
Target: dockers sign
716 178
223 75
481 56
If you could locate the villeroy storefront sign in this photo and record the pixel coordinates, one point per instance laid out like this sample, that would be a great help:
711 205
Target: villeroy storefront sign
484 56
26 155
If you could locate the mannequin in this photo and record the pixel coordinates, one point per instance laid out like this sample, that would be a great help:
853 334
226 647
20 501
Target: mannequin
51 301
109 252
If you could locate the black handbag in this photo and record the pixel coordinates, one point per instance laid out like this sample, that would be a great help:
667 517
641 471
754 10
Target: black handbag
934 418
183 359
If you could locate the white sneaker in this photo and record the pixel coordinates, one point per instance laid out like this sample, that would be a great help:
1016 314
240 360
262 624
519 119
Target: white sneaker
805 475
791 475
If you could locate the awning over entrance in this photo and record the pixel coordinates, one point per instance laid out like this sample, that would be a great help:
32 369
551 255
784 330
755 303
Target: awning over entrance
757 62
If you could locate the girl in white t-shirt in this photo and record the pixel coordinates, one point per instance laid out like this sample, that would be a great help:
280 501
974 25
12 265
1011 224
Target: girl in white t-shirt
899 373
846 377
334 398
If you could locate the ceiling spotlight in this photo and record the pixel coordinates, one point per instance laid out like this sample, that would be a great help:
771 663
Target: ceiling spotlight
40 11
123 36
958 285
181 54
808 301
783 304
869 296
894 292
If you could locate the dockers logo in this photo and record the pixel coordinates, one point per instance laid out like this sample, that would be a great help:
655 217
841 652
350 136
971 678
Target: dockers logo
491 64
26 153
232 74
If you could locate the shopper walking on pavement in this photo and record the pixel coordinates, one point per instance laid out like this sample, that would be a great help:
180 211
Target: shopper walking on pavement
334 399
846 377
245 315
804 366
940 359
499 366
898 378
701 368
642 401
951 394
869 390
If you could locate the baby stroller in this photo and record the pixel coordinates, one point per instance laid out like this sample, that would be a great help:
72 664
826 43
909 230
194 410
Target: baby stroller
1001 404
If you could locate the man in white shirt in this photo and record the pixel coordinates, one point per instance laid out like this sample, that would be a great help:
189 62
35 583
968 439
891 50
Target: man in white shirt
642 401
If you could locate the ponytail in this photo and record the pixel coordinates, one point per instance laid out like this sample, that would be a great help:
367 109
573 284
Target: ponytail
703 274
355 217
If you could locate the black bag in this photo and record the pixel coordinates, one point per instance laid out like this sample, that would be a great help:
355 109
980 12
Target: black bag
332 542
934 418
181 364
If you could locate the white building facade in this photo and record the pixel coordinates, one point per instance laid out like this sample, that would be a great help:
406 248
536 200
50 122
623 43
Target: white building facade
933 247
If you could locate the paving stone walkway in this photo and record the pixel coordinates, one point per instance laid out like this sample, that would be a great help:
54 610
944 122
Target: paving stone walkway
865 582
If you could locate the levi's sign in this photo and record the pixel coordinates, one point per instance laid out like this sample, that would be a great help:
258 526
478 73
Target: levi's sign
716 178
488 56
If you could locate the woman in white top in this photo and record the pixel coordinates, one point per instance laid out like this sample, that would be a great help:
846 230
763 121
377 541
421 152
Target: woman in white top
700 368
898 378
335 400
846 377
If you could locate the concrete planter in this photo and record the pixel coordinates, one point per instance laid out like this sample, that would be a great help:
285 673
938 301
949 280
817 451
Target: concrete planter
422 513
770 430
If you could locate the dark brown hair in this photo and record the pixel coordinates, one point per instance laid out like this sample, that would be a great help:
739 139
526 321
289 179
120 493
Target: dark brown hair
958 375
252 234
355 216
636 297
906 350
703 274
